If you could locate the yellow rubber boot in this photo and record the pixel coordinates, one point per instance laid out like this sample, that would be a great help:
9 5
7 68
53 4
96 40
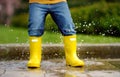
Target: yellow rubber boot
70 51
35 52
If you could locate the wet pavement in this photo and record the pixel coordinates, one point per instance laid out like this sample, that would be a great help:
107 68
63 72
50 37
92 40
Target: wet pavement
57 68
101 60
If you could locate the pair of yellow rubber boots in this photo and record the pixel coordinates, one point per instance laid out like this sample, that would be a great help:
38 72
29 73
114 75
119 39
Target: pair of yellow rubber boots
69 46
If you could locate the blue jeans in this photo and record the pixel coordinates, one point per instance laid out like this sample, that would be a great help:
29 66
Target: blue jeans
60 14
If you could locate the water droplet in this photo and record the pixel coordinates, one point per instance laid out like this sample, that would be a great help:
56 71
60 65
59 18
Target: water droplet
83 25
110 25
82 40
78 48
87 52
89 24
103 34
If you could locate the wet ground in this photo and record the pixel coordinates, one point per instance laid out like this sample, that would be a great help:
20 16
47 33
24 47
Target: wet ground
57 68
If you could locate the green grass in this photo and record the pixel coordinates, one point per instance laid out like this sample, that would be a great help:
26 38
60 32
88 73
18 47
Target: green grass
13 35
20 35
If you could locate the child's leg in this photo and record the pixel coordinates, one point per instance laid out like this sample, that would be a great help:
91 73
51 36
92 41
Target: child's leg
37 15
63 19
35 29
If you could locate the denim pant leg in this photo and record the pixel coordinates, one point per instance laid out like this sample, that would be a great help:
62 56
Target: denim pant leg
37 16
61 15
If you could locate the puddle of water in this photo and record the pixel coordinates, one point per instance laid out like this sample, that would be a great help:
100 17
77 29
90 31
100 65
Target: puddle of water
116 64
58 68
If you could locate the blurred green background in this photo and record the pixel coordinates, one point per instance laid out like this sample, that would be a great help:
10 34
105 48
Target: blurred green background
96 17
91 17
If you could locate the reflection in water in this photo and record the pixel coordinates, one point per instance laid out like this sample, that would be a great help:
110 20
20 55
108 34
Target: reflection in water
69 75
36 72
73 72
68 72
57 68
